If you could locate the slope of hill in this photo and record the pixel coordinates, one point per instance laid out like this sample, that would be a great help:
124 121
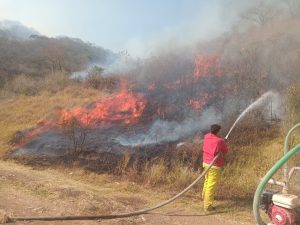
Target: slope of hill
263 57
25 51
15 30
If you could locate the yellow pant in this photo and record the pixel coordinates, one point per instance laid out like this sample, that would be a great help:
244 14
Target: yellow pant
210 184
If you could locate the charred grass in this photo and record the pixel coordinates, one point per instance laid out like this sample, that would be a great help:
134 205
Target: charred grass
246 165
21 112
254 148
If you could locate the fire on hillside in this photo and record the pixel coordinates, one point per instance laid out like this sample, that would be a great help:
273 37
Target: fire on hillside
141 115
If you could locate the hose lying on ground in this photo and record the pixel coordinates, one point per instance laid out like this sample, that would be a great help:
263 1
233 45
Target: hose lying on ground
120 215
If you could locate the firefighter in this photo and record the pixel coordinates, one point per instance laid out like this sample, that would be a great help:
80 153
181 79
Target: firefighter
212 145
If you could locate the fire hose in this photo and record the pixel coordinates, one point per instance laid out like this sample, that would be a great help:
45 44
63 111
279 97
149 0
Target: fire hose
119 215
267 177
280 163
166 202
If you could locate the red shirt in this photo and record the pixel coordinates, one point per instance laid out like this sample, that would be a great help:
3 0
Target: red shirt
212 145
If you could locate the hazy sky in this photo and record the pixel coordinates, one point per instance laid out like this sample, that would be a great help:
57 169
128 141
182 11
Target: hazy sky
135 25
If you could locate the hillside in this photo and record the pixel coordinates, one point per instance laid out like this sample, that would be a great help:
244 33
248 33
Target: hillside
112 141
24 51
44 190
15 30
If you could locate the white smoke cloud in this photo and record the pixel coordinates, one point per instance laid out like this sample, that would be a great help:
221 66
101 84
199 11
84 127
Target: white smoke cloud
274 108
165 131
124 64
217 17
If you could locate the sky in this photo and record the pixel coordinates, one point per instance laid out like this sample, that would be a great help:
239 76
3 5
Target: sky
133 25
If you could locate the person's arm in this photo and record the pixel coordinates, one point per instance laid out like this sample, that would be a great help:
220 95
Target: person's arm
223 147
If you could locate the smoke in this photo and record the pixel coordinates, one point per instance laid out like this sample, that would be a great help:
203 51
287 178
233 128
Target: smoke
211 21
172 40
246 50
162 131
229 28
84 73
16 30
166 131
266 99
274 106
123 64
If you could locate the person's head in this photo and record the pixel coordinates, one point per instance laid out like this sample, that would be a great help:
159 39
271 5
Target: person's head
215 128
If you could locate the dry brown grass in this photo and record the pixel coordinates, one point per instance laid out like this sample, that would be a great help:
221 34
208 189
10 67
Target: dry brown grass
30 86
245 167
253 149
4 217
21 112
76 191
99 82
292 105
247 160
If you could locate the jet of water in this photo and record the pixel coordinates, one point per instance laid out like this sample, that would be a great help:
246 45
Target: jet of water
260 101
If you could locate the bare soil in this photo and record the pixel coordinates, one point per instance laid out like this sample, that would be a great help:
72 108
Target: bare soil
25 191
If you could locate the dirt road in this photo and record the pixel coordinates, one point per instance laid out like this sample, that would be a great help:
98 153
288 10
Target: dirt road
28 192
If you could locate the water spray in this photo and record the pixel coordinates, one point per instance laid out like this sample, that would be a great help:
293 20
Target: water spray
255 104
252 106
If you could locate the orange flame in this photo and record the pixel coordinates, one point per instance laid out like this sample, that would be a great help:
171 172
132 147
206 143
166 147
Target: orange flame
197 104
207 65
124 107
152 86
127 107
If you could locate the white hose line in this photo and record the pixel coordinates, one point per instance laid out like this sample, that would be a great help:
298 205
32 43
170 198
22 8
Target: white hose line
120 215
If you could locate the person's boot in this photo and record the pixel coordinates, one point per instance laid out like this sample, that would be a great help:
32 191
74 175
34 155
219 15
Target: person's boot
210 209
